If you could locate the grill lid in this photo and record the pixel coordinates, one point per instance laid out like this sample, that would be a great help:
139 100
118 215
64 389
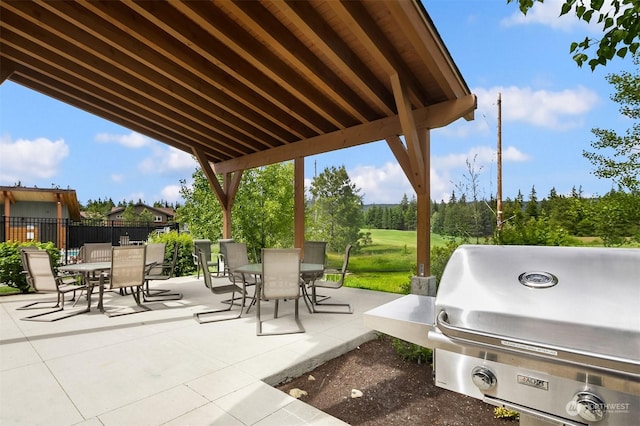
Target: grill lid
584 299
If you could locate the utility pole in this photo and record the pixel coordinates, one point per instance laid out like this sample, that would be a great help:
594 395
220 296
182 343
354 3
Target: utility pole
499 196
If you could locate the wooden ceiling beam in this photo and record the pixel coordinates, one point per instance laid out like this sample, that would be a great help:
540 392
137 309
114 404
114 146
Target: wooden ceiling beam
205 165
157 70
6 69
268 59
357 19
109 91
410 132
304 16
333 95
402 156
97 107
225 64
430 117
183 92
435 55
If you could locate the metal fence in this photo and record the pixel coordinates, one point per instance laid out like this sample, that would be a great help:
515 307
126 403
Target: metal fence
70 236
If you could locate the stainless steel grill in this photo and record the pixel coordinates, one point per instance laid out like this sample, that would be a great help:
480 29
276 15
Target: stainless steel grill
551 332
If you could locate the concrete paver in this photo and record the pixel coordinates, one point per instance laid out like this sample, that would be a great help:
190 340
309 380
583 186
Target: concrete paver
162 367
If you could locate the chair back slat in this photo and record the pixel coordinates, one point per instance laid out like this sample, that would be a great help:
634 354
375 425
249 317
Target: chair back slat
281 273
127 266
96 252
202 259
155 253
40 271
236 255
202 246
315 252
345 263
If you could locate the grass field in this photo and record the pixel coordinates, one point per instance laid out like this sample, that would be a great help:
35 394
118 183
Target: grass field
384 265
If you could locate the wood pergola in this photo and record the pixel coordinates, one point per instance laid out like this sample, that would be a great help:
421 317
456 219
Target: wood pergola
243 84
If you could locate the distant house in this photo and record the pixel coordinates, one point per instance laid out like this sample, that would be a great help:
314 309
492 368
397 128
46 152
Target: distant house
161 215
21 207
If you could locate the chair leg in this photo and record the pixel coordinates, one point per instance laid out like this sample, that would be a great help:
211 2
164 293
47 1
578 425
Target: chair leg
259 331
198 316
136 297
60 307
33 306
158 295
315 303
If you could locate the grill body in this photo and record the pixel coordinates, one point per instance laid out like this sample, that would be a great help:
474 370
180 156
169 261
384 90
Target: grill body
552 332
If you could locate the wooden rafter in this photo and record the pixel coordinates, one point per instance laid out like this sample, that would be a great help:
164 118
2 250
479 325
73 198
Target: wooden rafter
245 84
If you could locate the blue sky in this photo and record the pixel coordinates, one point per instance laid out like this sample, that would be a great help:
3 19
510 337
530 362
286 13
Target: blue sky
549 107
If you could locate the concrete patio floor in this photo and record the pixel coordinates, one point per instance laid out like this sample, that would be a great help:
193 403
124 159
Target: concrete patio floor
162 367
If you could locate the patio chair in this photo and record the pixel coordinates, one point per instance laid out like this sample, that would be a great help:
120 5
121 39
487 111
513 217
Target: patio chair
201 317
160 270
95 252
42 279
314 252
280 280
205 247
329 284
223 268
128 266
237 256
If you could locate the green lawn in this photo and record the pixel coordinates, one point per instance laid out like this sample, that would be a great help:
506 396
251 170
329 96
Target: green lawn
384 265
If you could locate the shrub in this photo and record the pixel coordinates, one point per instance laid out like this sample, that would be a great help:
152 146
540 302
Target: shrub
11 263
505 413
184 264
412 352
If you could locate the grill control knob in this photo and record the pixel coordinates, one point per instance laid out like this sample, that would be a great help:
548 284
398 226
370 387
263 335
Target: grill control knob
483 378
590 407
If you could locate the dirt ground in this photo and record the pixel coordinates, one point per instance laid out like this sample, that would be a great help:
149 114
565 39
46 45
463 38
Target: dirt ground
394 391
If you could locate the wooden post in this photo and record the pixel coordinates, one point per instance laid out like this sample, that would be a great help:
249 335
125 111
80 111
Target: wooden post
423 198
59 220
7 214
298 204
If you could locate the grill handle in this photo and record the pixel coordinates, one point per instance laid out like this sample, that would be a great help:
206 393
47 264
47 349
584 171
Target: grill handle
574 356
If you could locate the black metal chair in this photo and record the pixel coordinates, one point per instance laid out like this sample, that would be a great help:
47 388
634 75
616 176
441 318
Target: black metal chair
160 271
212 315
328 284
280 280
42 279
128 267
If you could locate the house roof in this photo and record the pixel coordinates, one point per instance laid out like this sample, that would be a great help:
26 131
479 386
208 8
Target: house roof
168 211
240 84
66 196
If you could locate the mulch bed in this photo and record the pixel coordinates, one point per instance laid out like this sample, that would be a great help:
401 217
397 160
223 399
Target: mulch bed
394 391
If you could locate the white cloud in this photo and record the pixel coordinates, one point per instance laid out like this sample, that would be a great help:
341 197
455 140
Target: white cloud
117 178
513 154
30 160
131 140
387 183
547 14
558 110
166 160
381 185
463 129
171 193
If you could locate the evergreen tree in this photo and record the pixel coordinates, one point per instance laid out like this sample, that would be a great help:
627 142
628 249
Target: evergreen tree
337 207
531 210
